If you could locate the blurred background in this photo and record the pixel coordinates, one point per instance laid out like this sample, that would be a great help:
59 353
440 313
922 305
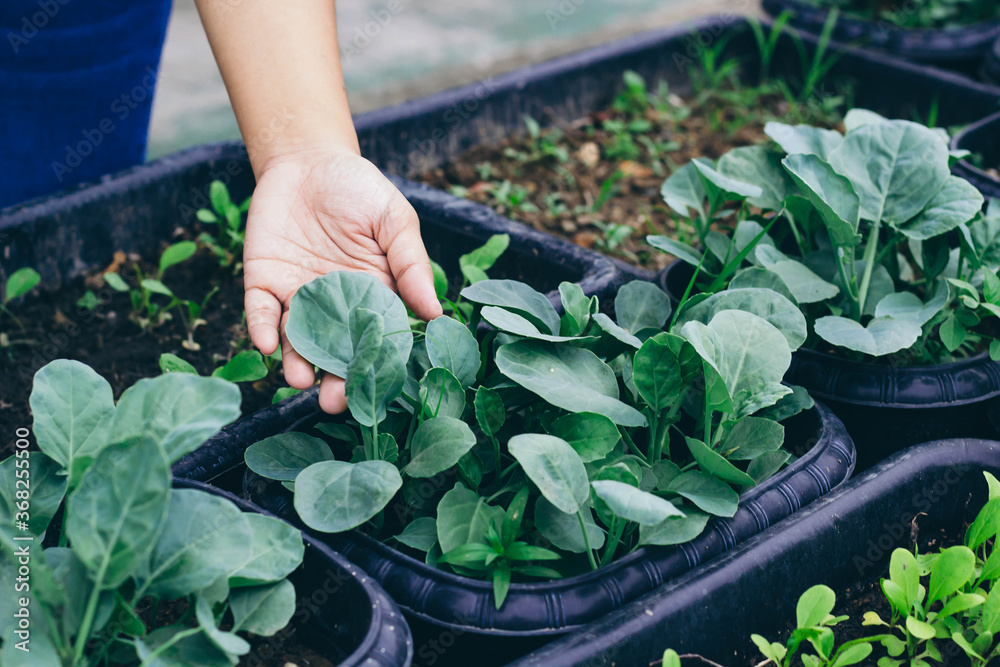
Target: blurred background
425 47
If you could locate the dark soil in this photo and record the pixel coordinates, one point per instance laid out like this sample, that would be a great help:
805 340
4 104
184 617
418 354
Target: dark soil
106 339
285 651
562 194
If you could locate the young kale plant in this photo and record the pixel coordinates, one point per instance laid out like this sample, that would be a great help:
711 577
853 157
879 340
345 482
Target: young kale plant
947 597
147 311
125 545
18 284
227 216
884 251
588 435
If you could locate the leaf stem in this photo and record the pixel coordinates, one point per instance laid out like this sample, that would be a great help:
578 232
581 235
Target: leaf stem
617 528
88 616
184 634
869 258
586 539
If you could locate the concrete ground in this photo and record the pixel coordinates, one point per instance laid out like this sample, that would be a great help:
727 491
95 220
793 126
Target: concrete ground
423 48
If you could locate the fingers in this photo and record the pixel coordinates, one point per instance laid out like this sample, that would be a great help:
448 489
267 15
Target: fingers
298 372
332 398
263 315
408 262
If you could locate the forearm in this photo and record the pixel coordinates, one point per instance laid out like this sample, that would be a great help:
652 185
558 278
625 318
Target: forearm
281 65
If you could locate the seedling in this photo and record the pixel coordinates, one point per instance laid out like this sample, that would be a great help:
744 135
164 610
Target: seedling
542 145
502 407
880 263
128 544
246 366
18 284
511 197
227 216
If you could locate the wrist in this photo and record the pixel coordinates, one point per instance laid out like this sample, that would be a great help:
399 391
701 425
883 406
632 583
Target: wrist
284 141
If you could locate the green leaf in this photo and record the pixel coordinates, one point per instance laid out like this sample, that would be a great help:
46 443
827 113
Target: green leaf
72 407
376 374
512 323
614 339
814 606
882 336
895 167
953 568
20 283
765 465
751 437
171 363
218 195
591 435
440 280
274 550
201 536
196 650
670 659
905 573
749 354
554 467
325 305
765 303
631 504
675 529
952 333
683 191
708 493
176 253
681 251
490 411
463 518
774 652
118 510
908 306
760 167
116 282
794 139
959 603
716 465
156 287
437 445
206 216
484 257
640 305
833 196
419 534
957 202
563 530
45 492
722 188
919 629
501 584
263 610
658 374
285 455
441 394
334 496
451 345
576 309
284 393
247 366
851 655
517 298
567 377
805 286
178 410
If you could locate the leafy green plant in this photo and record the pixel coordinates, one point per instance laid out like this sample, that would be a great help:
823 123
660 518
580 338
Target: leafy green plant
927 14
541 145
147 311
884 251
227 216
18 284
473 267
573 422
938 598
245 366
127 546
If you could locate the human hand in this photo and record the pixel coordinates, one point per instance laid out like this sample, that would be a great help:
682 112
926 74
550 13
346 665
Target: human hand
317 211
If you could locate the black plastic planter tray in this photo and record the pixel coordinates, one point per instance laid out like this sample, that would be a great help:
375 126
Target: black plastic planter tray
886 408
846 538
436 601
340 611
964 47
983 139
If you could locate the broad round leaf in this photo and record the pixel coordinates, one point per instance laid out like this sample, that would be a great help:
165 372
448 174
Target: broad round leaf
803 138
46 491
463 517
441 394
765 303
275 549
319 317
285 455
247 366
437 445
632 504
708 493
593 436
517 297
882 336
641 305
554 467
567 377
675 529
334 496
563 530
451 345
263 610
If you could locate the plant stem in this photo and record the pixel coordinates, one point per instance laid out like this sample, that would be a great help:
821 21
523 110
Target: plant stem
184 634
586 539
631 444
88 615
617 528
869 265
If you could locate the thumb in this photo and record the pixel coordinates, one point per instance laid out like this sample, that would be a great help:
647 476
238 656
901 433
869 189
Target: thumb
408 261
263 315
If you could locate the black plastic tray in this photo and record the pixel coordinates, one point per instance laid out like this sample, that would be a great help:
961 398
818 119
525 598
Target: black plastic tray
886 408
983 139
845 539
344 614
